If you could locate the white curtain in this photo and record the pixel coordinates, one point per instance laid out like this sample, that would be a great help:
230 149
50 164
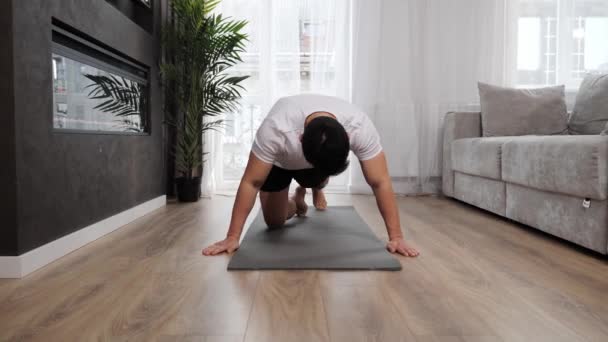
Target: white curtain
416 60
413 62
407 63
295 46
212 161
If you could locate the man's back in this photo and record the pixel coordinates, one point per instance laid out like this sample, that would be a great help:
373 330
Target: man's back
278 138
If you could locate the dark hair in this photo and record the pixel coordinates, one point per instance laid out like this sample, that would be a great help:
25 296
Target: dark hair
325 145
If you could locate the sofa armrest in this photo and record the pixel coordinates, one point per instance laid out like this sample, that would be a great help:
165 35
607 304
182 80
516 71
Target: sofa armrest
457 125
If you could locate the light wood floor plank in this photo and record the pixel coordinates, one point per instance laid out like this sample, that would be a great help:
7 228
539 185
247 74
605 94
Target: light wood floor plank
363 313
199 338
288 307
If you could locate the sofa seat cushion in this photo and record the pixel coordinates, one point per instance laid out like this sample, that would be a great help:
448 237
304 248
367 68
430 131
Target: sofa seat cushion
478 156
572 165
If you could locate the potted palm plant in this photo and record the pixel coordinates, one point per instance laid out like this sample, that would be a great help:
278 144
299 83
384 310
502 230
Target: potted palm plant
200 46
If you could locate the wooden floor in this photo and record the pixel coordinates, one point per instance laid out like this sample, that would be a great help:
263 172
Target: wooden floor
479 278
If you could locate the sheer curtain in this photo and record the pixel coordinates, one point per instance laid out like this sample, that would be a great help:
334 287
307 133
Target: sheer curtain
413 62
407 63
296 46
416 60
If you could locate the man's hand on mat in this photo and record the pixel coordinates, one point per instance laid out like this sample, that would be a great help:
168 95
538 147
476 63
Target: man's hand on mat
228 245
399 246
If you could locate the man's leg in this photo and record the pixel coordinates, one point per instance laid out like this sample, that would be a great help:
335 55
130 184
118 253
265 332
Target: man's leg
310 178
277 207
318 197
299 201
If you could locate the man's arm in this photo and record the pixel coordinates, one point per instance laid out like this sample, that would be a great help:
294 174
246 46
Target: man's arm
253 179
376 174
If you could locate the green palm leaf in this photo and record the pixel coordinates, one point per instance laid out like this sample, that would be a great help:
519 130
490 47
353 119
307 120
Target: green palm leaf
200 47
120 97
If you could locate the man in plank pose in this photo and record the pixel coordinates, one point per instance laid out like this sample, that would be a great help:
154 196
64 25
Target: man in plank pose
308 138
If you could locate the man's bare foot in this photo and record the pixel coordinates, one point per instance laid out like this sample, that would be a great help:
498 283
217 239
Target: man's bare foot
318 199
299 198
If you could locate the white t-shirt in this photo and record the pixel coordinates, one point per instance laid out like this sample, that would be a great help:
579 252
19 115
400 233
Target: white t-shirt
278 139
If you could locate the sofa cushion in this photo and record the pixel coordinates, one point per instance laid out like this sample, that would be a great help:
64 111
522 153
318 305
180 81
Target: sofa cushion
590 114
572 165
478 156
506 111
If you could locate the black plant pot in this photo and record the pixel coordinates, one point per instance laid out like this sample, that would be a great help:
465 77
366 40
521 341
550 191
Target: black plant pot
188 190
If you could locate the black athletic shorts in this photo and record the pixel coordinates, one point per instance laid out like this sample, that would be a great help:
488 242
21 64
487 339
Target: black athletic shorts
279 179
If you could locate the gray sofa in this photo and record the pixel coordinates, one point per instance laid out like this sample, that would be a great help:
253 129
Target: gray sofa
557 183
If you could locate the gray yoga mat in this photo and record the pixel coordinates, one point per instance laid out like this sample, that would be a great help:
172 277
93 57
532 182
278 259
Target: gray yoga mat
334 239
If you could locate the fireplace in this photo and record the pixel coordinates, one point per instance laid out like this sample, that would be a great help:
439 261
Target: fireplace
95 89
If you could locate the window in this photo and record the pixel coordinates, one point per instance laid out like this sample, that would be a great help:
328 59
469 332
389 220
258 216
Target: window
559 41
295 46
95 92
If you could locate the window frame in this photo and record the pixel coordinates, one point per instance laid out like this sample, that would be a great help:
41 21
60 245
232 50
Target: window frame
69 45
565 46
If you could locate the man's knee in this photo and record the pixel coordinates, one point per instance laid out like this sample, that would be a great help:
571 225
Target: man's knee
274 222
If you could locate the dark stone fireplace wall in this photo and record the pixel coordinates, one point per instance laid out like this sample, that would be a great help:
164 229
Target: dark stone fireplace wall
8 194
57 183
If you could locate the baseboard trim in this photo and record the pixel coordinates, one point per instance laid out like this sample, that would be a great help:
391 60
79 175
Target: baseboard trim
22 265
10 267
